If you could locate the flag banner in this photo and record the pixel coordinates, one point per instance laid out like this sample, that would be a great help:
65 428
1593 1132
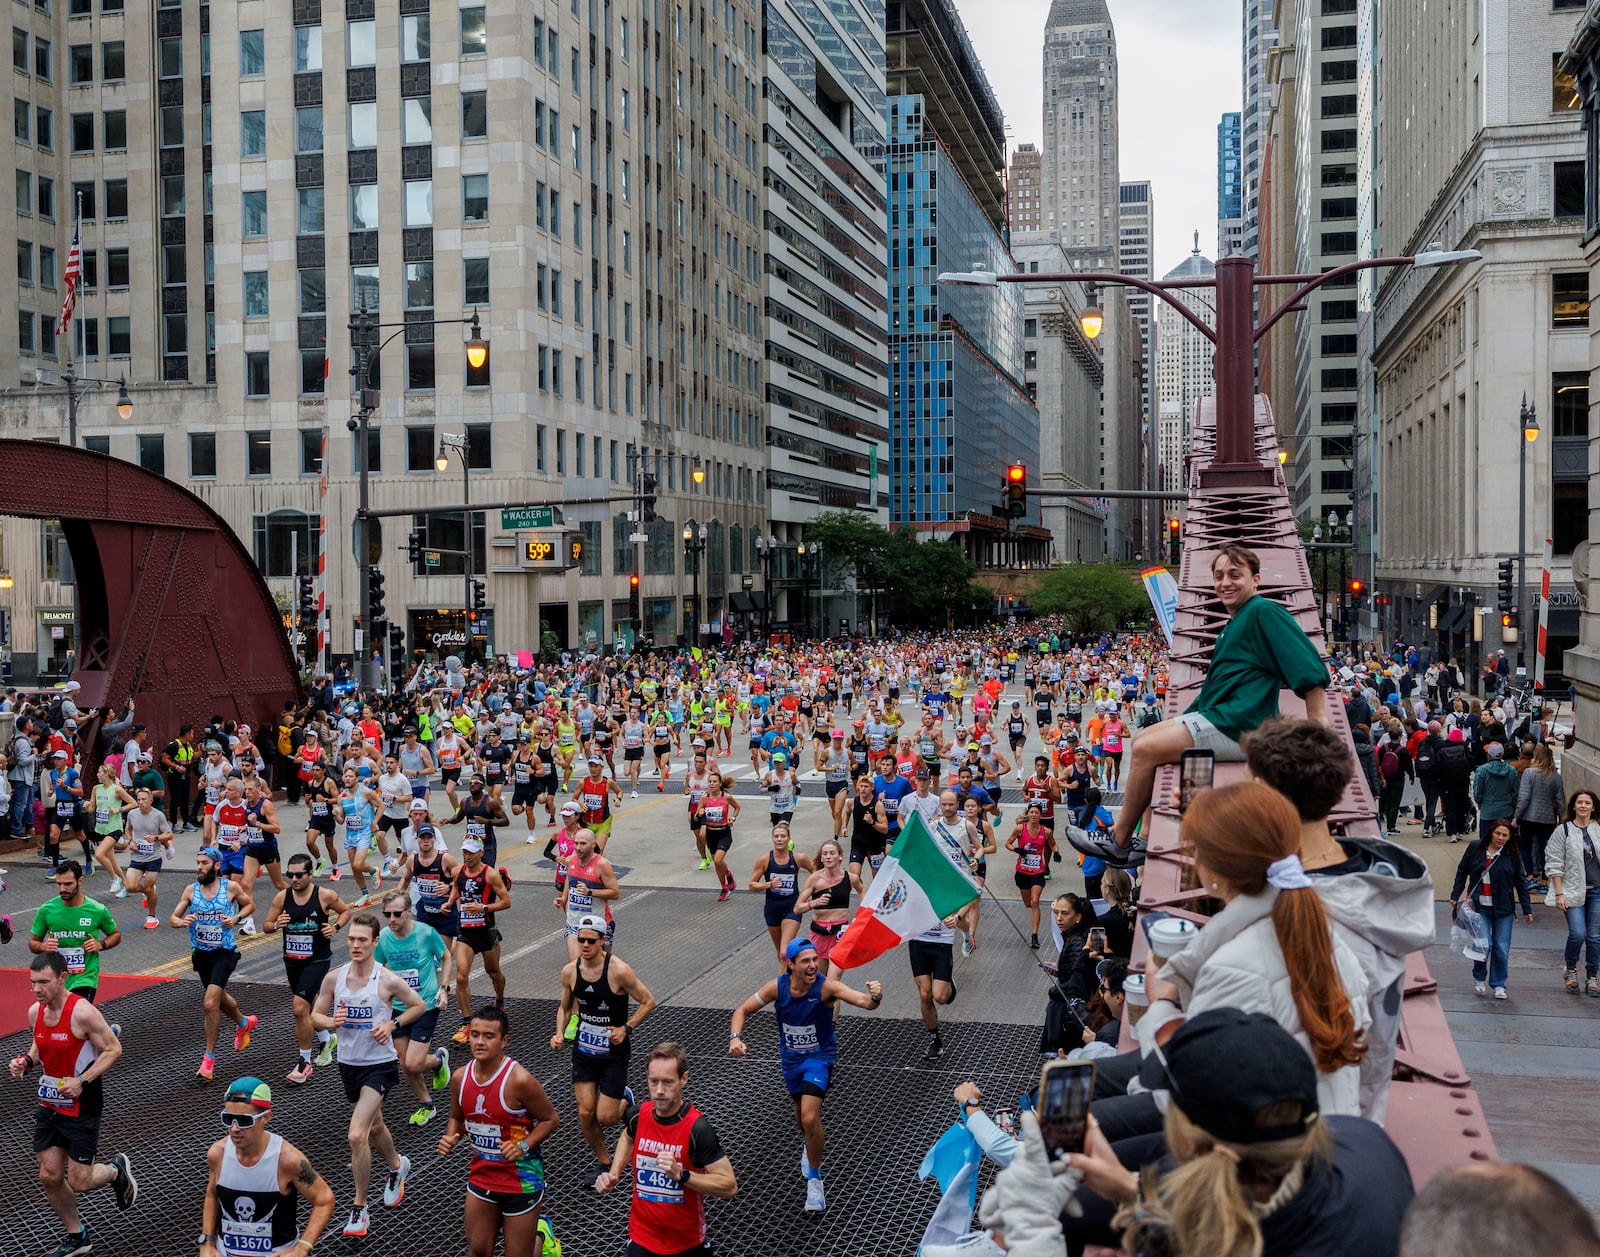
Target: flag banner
922 881
1163 591
71 278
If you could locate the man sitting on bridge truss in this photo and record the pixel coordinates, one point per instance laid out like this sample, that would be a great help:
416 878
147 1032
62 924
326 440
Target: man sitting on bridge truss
1260 652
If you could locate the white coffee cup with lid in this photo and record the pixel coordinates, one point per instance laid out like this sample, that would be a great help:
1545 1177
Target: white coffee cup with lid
1169 936
1133 993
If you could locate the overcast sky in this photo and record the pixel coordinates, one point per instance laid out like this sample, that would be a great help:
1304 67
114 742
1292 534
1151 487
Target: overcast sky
1178 71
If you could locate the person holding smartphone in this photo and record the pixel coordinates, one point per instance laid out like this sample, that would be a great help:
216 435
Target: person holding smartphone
1260 652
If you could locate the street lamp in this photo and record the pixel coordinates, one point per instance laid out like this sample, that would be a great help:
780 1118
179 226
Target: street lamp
811 565
1529 420
694 545
766 550
699 471
457 441
477 347
1093 319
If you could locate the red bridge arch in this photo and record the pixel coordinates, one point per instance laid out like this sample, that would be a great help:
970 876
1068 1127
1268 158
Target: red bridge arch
171 607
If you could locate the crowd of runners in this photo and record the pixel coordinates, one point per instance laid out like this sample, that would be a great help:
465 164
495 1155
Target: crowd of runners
873 733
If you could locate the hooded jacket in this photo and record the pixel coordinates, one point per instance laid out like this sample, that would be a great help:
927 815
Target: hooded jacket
1494 790
1235 962
1382 912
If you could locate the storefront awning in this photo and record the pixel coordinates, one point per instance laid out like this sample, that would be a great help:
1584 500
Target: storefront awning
758 599
1455 620
1436 594
740 601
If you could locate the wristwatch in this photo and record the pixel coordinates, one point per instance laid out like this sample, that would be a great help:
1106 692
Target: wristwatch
683 1178
203 1239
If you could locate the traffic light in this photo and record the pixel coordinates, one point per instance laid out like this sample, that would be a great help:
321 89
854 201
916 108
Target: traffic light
1174 537
307 608
397 643
1507 594
647 498
634 611
574 552
479 600
375 595
414 548
1016 490
1355 587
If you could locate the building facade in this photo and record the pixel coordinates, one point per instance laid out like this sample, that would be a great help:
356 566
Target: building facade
587 181
1183 366
1136 232
1258 36
1080 154
1230 188
1025 190
1458 349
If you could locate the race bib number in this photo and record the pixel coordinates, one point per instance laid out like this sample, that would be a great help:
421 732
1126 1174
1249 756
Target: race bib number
228 837
431 890
472 915
476 829
297 946
1032 862
485 1138
319 807
74 956
213 793
579 898
801 1038
593 1040
782 885
208 936
654 1184
359 1016
246 1237
412 977
50 1093
145 850
101 816
65 809
254 837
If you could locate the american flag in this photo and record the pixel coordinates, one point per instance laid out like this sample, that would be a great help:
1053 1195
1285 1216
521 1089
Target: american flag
72 276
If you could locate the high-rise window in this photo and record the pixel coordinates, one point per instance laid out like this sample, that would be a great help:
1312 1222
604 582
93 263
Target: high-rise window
255 295
419 203
253 133
361 44
474 198
417 120
364 207
257 373
474 33
475 285
202 455
307 48
253 206
474 115
258 453
252 54
414 37
364 125
308 129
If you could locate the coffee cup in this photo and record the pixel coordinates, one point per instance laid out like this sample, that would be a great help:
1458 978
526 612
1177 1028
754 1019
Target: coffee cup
1169 936
1133 993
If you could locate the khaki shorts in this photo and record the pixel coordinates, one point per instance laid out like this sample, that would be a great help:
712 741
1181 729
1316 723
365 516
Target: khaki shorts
1207 737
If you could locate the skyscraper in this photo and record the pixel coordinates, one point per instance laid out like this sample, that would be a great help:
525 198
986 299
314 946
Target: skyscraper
1137 224
1025 190
1230 200
1183 365
1080 156
1260 35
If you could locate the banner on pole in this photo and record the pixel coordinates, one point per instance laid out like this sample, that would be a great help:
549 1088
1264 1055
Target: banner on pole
1163 591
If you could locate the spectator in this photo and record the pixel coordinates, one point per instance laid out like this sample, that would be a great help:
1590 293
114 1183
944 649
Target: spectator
1572 867
1487 1207
1074 968
1378 894
1259 652
1367 761
1255 1168
1540 798
1425 762
1496 883
1494 788
1395 770
1105 1009
23 773
1117 887
1455 781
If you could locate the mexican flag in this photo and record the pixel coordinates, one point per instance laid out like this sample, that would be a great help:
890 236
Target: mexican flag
923 880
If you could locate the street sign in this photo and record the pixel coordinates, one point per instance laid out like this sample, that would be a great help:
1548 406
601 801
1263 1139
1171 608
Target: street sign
430 558
515 518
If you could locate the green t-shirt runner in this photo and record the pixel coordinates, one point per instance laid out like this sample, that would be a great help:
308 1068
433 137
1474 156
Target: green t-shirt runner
414 958
72 927
1259 652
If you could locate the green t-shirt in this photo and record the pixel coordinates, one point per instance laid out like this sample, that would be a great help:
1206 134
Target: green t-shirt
150 779
415 958
1260 651
71 927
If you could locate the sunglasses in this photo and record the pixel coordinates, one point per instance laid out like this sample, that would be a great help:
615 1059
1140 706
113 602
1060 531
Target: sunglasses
297 872
582 940
395 916
242 1120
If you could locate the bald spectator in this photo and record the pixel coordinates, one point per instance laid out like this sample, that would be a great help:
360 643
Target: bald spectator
1496 1208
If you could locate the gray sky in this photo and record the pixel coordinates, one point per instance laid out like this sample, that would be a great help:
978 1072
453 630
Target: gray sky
1178 68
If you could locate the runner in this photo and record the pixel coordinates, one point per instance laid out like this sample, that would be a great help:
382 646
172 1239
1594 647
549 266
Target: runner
255 1183
355 809
633 731
477 893
590 877
66 822
696 782
320 796
869 828
593 794
354 1003
73 1047
209 909
451 751
229 821
807 1048
394 797
71 925
110 801
661 745
149 838
782 783
718 811
213 773
413 952
482 813
429 874
527 776
415 760
777 873
1033 844
261 830
504 1111
595 990
672 1155
932 953
309 916
826 896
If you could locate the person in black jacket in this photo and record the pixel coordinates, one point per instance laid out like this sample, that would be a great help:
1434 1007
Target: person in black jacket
1489 868
1426 766
1455 782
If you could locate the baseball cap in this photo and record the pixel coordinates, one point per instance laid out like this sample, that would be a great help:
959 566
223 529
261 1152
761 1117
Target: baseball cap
1225 1068
973 746
778 757
471 844
248 1090
796 946
838 733
595 759
924 771
210 853
1495 750
986 740
58 755
570 809
597 924
419 805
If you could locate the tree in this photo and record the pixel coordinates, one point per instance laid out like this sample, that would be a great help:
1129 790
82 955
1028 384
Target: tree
924 581
1091 597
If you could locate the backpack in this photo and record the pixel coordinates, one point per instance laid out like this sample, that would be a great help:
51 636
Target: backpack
1389 768
1148 715
1453 761
1427 757
53 715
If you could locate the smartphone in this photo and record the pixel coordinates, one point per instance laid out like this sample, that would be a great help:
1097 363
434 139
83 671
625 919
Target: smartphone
1066 1089
1147 919
1097 940
1196 769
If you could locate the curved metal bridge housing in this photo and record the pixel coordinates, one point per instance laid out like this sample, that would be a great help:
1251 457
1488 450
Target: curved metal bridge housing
171 608
1434 1114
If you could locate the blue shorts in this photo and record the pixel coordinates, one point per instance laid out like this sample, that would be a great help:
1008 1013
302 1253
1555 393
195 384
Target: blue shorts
1099 752
232 862
808 1075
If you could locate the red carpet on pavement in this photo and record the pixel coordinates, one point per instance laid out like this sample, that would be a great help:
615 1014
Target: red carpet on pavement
15 997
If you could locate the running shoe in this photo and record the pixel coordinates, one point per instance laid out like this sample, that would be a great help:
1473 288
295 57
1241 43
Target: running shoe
705 863
117 888
247 926
935 1048
1500 992
301 1073
125 1187
150 923
1570 978
967 943
532 840
1594 986
394 1187
356 1227
172 852
1104 846
322 868
50 875
421 1117
5 929
1033 942
241 1033
333 874
208 1066
77 1245
441 1076
1478 988
633 794
460 1036
815 1201
116 1029
324 1055
661 786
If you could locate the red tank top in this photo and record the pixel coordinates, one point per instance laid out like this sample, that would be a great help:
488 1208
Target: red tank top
230 825
583 880
1030 851
665 1218
595 800
716 811
1036 791
63 1055
490 1122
